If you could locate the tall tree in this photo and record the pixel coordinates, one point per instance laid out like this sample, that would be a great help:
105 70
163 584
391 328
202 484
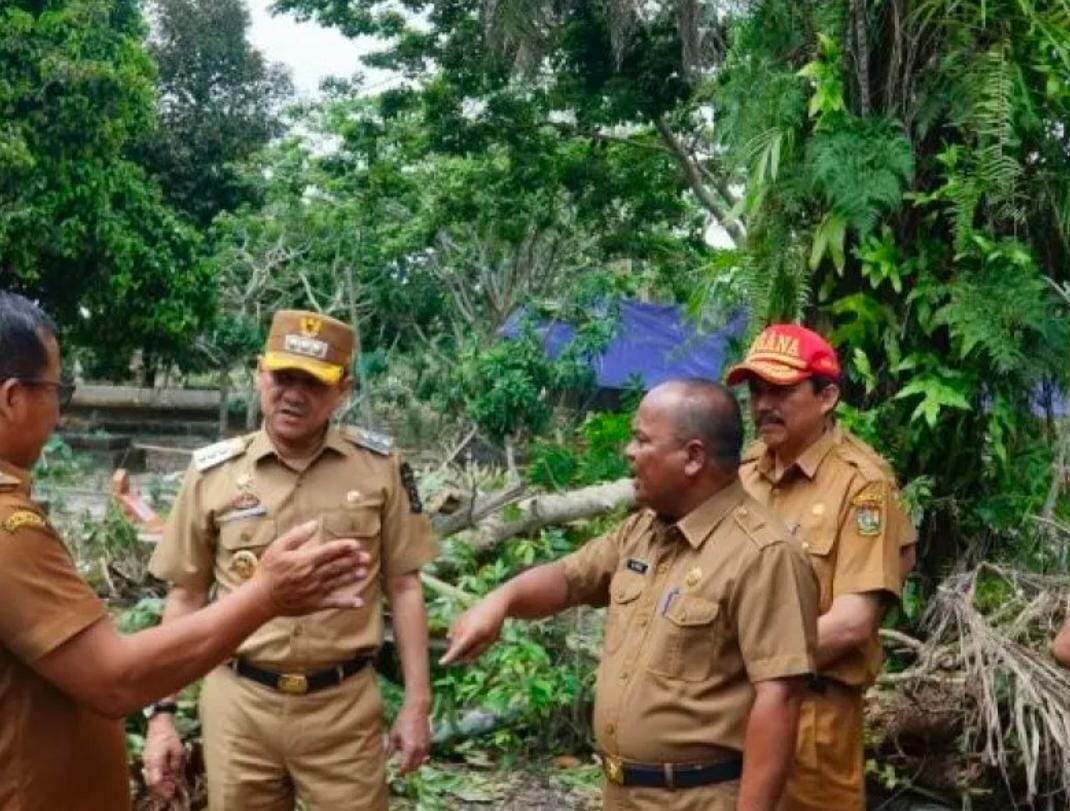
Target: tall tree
81 226
219 101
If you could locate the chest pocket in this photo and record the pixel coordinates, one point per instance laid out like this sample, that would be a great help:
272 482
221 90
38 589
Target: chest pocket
817 535
360 521
624 591
246 533
685 639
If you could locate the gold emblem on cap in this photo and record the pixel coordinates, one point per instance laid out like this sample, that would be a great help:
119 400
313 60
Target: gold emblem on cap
245 481
310 326
693 577
244 563
353 496
818 509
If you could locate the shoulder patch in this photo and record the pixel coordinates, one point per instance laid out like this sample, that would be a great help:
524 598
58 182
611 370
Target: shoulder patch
369 440
408 480
212 455
24 518
752 522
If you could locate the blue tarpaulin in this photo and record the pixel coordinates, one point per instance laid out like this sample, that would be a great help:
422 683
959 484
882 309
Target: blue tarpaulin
652 343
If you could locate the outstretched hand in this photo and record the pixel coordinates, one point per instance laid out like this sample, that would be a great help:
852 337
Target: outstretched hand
475 630
301 578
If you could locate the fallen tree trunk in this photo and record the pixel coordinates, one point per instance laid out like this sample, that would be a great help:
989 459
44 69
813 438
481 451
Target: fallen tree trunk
553 508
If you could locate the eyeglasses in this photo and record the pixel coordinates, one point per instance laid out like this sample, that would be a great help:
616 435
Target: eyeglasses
64 388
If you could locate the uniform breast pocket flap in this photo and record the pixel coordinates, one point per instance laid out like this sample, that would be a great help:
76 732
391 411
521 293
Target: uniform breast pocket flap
624 590
685 644
246 533
625 587
818 534
688 611
352 522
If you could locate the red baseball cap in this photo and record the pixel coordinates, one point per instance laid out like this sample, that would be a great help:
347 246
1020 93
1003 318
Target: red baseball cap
784 354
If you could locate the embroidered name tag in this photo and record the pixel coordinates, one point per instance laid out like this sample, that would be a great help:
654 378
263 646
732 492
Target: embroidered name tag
637 566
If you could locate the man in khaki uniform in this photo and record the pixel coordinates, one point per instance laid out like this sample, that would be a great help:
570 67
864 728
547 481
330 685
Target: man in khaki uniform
298 711
66 676
710 624
840 498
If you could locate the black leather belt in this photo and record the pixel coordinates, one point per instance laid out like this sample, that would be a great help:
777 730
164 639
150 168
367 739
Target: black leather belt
297 684
671 775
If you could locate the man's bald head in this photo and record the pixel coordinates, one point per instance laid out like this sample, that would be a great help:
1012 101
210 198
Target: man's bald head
705 411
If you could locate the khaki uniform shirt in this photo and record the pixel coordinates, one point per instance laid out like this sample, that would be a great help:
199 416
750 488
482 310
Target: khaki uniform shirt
841 499
698 610
53 753
228 512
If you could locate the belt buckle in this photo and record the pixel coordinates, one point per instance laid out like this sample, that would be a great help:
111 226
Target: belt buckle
614 769
294 684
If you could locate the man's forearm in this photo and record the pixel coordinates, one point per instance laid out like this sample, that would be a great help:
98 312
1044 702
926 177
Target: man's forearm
180 602
769 744
410 635
537 593
161 660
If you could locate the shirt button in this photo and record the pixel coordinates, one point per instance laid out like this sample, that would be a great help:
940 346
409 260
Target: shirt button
805 546
624 675
246 537
611 728
642 622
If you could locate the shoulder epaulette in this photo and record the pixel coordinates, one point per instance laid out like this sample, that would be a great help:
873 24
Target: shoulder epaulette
211 455
370 440
7 481
864 459
750 519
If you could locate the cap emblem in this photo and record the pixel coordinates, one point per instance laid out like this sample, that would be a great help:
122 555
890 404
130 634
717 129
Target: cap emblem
310 326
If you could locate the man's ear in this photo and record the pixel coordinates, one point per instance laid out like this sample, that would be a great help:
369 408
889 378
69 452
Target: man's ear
9 395
697 457
346 386
829 396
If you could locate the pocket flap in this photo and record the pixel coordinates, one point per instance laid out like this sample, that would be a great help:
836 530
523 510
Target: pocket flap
247 533
626 586
353 522
817 534
691 610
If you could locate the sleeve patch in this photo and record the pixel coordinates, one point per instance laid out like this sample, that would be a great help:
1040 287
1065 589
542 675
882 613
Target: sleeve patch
869 519
409 481
24 518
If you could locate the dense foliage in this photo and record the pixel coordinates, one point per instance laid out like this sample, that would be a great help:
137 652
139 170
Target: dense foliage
81 226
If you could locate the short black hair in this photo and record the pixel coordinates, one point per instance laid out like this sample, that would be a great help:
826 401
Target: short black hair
23 353
710 413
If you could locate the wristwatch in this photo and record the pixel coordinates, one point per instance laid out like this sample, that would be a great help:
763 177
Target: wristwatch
169 707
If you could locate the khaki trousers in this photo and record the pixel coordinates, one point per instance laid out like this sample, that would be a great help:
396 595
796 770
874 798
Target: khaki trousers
715 797
263 748
828 773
